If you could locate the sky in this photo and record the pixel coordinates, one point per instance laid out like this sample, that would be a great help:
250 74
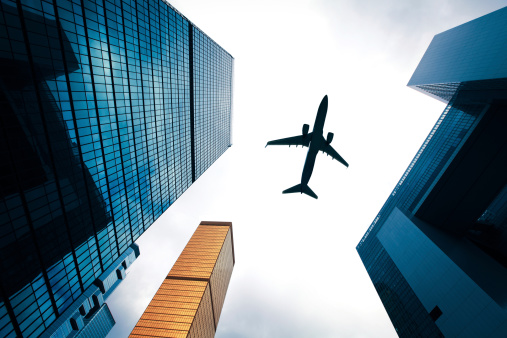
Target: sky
297 271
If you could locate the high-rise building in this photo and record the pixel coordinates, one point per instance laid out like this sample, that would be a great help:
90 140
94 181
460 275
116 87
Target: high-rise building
110 110
190 300
89 315
437 251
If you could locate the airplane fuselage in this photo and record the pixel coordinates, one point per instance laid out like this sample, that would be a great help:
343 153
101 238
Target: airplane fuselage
315 144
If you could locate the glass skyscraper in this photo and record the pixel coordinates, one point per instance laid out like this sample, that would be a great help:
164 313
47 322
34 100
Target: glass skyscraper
190 300
110 110
437 251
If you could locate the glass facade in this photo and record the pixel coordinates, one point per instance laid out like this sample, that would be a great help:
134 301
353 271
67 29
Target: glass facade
89 315
439 217
110 111
212 87
190 299
99 324
469 52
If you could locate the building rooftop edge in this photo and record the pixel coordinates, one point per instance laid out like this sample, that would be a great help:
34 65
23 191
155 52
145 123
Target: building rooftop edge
193 25
458 54
215 223
472 21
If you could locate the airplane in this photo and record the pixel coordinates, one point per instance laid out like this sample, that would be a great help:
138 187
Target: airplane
315 142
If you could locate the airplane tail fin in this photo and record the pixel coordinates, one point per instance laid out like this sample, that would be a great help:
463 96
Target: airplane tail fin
301 189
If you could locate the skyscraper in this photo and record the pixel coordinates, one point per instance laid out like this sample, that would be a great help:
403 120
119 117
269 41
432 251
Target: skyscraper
89 315
190 300
437 251
110 111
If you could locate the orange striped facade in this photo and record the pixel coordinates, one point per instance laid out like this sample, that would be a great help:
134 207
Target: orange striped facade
190 299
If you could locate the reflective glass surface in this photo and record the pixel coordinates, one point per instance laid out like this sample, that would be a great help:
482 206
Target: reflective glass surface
96 136
469 52
405 310
212 101
461 68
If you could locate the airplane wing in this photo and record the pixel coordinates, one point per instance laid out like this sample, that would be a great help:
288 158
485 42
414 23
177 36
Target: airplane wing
292 141
326 148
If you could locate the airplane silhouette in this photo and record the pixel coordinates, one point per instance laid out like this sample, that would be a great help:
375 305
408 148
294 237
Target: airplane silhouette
315 142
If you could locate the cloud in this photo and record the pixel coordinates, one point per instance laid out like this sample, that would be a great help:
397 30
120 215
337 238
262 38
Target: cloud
399 30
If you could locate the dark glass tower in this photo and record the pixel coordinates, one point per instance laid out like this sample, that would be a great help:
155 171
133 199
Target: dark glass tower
110 110
437 251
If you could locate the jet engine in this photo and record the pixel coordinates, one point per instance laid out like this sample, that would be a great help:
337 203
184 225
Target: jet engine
329 138
305 129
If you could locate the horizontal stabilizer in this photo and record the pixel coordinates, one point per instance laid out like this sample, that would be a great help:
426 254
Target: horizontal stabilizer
297 188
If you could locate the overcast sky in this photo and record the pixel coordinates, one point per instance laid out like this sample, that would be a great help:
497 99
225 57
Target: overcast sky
297 272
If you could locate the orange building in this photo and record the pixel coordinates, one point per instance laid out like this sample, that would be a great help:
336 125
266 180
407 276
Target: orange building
190 299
